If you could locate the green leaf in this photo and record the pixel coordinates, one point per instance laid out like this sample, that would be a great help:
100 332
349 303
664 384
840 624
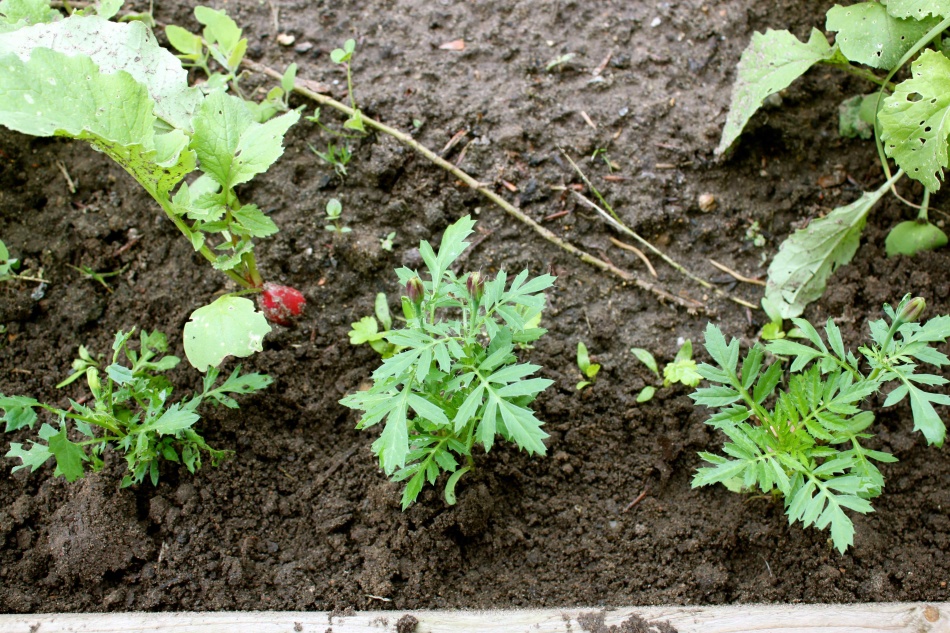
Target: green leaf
119 374
172 421
926 419
393 445
252 222
799 272
683 372
451 483
232 147
646 394
646 358
183 41
32 459
29 11
230 326
770 63
913 236
112 47
856 116
918 9
219 28
867 34
18 412
69 456
107 9
364 331
522 427
915 120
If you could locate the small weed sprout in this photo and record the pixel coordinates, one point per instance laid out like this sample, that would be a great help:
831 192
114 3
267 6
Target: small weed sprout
10 265
386 243
457 382
131 411
334 217
805 440
100 278
337 156
682 370
343 56
588 369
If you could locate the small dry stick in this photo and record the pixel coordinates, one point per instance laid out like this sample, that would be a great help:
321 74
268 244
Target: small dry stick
636 251
481 188
742 278
69 181
639 498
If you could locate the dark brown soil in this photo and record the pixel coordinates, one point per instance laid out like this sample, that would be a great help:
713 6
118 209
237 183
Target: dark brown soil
301 517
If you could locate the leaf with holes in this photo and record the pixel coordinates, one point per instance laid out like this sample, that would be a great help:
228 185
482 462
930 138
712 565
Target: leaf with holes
915 120
867 34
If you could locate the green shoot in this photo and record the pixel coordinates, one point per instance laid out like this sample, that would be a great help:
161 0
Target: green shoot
131 411
334 216
457 382
89 273
338 156
386 243
588 370
682 370
802 438
343 56
367 329
10 265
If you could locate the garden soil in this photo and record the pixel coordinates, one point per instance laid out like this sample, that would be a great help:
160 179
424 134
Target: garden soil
301 517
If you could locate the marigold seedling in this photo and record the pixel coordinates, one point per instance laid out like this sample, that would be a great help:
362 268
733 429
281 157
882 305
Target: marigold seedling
457 381
367 329
131 411
804 441
588 369
682 370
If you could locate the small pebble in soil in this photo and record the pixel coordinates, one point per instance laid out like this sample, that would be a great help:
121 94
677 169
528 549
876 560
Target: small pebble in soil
707 202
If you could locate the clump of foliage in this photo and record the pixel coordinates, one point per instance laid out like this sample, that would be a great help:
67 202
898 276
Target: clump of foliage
907 121
457 381
682 370
367 329
802 438
131 411
113 86
588 369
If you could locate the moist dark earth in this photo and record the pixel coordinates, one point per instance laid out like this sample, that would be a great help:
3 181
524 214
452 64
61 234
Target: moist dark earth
301 517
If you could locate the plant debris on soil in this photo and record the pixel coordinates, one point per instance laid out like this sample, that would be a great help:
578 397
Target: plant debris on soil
301 517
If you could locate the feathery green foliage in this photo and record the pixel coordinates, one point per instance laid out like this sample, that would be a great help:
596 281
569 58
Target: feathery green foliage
456 381
131 411
804 439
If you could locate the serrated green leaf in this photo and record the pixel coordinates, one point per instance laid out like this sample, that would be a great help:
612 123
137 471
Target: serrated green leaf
232 147
392 447
427 410
18 412
230 326
522 427
683 372
253 223
926 419
915 120
771 62
172 421
38 455
69 456
867 34
799 272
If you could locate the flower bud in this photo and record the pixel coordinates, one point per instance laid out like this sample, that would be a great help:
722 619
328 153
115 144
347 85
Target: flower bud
475 285
912 310
415 290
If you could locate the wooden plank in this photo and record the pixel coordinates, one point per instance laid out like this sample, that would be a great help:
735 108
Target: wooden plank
858 618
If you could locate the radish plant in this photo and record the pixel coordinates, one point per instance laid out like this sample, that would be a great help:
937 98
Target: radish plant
908 121
456 381
805 441
114 87
131 411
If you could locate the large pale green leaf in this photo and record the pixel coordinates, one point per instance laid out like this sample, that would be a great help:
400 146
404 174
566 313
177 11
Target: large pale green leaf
228 327
915 120
918 9
770 63
869 35
26 11
53 94
232 147
805 261
128 46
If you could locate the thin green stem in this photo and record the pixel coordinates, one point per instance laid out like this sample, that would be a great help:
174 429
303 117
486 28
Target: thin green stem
924 206
863 73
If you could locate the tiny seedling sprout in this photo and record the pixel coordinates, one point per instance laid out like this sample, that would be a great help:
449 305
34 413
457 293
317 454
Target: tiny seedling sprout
588 369
334 216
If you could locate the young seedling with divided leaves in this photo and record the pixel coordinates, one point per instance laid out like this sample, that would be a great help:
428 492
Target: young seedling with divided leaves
908 121
457 382
10 265
367 329
682 370
111 85
588 369
131 412
804 440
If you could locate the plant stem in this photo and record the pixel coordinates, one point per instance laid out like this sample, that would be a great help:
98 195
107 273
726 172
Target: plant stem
863 73
924 206
689 304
